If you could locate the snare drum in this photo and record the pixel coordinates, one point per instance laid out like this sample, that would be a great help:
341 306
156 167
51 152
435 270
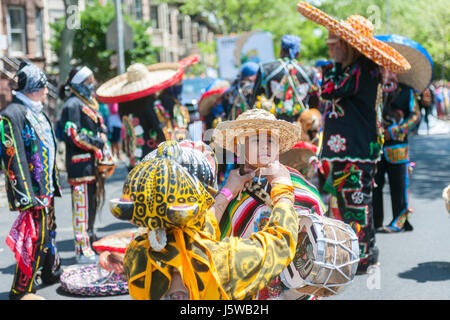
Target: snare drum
326 257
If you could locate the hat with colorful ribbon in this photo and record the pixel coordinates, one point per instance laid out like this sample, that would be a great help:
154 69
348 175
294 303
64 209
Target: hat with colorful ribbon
421 72
358 32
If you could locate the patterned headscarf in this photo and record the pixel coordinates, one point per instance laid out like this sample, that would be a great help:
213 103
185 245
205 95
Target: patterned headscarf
291 44
173 205
197 157
30 78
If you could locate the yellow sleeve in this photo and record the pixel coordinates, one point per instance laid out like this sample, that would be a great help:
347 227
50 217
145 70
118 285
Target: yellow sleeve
245 266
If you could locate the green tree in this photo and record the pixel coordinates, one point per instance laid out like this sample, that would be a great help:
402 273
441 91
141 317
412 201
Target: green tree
90 41
427 22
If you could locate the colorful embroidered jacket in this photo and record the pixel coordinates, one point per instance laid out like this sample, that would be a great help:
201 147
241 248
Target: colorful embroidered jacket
25 155
145 121
401 114
352 117
302 82
82 127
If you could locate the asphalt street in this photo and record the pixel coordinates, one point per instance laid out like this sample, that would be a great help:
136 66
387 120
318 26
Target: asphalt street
413 265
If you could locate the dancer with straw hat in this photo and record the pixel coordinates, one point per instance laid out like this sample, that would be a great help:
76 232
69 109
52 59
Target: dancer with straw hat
149 106
401 114
353 135
258 138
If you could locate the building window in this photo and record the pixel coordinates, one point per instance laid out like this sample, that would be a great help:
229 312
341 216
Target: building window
138 9
39 33
17 36
154 16
180 26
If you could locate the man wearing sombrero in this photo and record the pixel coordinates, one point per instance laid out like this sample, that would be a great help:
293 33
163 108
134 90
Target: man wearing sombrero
401 115
257 138
353 135
149 106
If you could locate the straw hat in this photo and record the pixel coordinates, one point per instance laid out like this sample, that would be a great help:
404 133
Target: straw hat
212 93
141 81
252 121
358 32
298 156
421 72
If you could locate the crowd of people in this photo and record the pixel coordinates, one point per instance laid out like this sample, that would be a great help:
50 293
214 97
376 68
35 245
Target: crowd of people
218 219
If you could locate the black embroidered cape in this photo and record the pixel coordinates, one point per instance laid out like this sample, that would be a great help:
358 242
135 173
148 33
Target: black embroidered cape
25 155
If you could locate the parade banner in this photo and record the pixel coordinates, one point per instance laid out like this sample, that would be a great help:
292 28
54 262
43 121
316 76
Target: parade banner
232 51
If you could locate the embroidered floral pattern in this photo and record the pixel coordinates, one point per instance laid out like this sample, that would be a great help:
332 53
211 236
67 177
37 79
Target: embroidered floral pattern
28 135
337 143
36 167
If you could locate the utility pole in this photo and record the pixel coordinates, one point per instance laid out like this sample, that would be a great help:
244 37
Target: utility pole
120 45
388 13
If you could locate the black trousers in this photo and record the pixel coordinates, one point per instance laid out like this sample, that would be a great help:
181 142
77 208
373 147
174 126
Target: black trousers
46 262
398 183
353 183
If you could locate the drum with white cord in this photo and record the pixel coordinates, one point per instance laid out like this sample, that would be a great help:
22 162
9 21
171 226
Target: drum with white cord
326 257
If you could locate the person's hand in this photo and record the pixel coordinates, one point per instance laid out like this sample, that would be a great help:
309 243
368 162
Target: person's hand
236 183
276 171
111 261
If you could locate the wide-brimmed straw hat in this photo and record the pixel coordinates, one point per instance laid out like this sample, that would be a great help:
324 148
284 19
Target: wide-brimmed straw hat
421 72
298 156
212 93
253 121
358 32
141 81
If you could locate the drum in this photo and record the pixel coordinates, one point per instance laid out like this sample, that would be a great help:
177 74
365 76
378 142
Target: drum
326 256
91 280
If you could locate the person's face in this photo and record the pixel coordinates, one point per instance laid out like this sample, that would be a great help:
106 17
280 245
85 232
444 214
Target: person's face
90 80
251 78
332 42
390 80
38 95
261 149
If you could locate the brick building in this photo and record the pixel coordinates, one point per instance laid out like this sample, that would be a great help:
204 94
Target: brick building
25 34
22 24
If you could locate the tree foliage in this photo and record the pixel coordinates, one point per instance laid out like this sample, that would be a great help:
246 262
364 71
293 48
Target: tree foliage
427 22
90 41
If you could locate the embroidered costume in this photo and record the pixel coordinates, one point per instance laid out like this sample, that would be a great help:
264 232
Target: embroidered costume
284 86
353 134
83 126
28 150
149 106
401 115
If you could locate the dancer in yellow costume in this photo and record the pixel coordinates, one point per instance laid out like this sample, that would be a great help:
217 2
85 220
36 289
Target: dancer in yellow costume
181 256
